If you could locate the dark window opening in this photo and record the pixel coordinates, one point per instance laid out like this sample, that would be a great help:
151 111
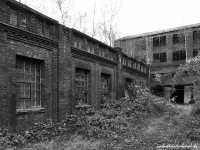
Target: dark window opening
162 40
178 38
160 57
182 55
155 42
178 94
175 39
159 41
163 57
156 57
128 82
196 35
105 88
195 52
179 55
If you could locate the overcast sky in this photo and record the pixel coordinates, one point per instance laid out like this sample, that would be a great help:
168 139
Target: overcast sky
140 16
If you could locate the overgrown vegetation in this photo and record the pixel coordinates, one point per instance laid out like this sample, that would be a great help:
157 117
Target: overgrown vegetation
139 121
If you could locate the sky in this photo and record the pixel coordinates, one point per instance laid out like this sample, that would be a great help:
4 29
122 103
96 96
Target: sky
141 16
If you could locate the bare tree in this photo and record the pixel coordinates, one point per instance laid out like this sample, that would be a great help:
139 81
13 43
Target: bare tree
108 26
64 7
80 22
94 22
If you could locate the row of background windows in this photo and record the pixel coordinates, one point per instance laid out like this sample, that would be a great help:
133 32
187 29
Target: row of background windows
177 55
91 47
177 39
135 65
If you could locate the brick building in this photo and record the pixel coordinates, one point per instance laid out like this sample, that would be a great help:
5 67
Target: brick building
165 50
47 70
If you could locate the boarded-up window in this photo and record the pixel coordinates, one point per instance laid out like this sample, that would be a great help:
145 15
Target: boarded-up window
13 17
22 23
40 28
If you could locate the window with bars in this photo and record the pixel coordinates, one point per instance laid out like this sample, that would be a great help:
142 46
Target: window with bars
29 83
105 87
160 57
82 85
179 55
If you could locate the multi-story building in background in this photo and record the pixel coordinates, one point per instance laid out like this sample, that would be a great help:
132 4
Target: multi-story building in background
164 51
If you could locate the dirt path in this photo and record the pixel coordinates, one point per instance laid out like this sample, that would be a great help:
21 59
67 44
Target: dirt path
158 130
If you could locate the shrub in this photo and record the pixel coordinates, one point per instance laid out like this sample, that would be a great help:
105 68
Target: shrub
111 121
196 109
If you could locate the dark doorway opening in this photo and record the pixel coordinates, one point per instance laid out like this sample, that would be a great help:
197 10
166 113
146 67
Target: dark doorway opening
179 94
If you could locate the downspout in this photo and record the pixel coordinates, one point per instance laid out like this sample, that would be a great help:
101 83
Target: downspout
58 73
185 44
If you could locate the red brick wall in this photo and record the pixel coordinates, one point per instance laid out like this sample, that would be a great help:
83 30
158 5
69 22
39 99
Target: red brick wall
46 40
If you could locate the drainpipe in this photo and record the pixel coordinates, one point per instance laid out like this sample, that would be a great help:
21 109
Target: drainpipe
185 33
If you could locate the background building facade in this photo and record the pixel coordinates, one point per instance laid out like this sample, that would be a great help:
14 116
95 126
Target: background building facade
165 50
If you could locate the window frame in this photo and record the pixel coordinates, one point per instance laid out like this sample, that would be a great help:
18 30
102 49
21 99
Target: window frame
158 57
159 41
30 73
179 55
82 86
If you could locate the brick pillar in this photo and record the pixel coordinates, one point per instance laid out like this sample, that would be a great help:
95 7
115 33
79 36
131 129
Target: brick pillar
119 76
65 72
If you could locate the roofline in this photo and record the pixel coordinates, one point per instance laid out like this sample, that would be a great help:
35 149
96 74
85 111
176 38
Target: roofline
27 8
91 38
160 31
